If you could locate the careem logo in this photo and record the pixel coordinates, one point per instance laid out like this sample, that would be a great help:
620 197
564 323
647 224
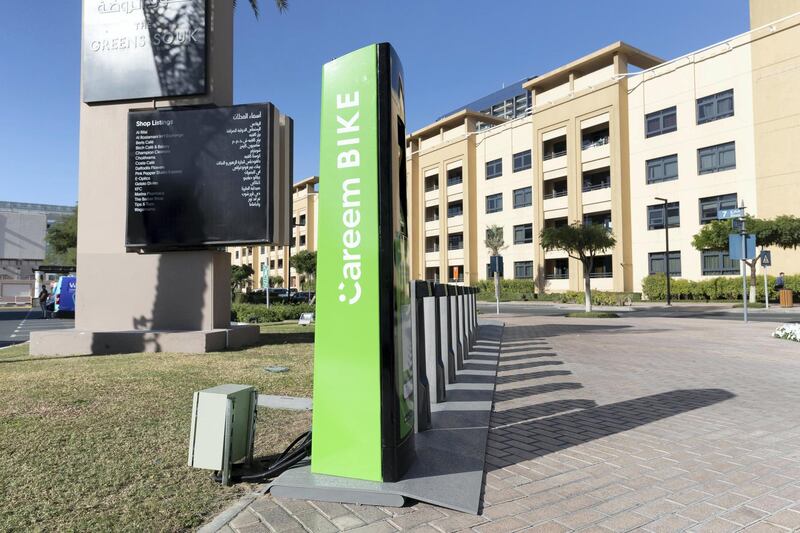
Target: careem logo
349 157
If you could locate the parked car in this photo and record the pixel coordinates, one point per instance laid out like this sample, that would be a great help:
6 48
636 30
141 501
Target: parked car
302 297
64 297
279 295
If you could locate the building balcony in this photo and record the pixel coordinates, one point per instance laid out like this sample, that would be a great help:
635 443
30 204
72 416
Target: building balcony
554 161
555 201
432 225
431 194
594 152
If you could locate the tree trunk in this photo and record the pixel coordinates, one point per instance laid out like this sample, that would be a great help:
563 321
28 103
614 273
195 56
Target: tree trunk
587 291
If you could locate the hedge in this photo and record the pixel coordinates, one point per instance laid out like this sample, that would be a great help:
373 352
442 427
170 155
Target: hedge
257 313
510 289
601 298
654 287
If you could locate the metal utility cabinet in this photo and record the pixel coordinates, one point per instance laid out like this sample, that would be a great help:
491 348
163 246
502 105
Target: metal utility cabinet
223 422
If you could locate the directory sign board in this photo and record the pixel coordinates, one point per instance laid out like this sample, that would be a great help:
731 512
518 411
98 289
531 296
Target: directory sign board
208 177
135 49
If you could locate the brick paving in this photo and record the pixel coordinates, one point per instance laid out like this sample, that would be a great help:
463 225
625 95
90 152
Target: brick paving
651 424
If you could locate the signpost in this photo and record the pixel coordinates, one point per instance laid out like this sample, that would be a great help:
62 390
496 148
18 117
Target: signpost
741 246
496 266
737 212
766 261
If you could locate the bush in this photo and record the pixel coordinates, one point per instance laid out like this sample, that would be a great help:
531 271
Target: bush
510 289
720 288
601 298
259 313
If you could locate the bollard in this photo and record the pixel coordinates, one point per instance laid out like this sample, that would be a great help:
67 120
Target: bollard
434 366
462 321
445 325
422 413
455 326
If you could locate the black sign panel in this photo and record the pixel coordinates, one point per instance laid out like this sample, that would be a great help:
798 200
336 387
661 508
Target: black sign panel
135 49
200 177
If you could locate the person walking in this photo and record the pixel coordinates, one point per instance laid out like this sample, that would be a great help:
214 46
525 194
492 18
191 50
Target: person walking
43 295
779 282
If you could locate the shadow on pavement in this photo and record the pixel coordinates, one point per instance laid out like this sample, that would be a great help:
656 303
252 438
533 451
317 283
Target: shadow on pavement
557 433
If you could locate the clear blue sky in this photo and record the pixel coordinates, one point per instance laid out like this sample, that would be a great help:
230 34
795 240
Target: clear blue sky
453 51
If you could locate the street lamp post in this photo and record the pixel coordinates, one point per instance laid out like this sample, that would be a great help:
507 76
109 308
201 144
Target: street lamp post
666 253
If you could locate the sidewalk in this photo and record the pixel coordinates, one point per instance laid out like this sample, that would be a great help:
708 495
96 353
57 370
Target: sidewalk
613 425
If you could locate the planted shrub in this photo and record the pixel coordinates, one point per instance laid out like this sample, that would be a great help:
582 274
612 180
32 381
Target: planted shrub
259 313
654 287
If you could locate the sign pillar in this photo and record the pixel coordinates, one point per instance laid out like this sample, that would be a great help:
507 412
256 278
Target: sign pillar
121 291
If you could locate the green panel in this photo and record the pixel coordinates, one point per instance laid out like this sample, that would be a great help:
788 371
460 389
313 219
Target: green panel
347 392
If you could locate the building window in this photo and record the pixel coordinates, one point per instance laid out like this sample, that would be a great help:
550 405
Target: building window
263 249
432 244
711 205
655 215
302 240
523 269
596 180
432 183
455 209
598 219
716 263
280 263
520 104
454 176
715 106
432 273
716 158
522 161
523 197
595 136
660 122
556 268
302 220
455 241
494 203
456 273
602 267
272 264
554 148
432 213
523 234
494 169
656 264
555 188
662 169
237 254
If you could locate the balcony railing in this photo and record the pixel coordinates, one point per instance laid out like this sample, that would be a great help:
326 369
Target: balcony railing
431 188
596 186
554 194
601 274
553 155
459 279
431 249
454 181
432 219
602 141
557 275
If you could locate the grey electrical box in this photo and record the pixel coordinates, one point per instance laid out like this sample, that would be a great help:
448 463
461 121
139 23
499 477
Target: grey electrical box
223 424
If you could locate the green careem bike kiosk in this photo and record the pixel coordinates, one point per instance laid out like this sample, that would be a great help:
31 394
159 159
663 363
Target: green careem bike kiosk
363 388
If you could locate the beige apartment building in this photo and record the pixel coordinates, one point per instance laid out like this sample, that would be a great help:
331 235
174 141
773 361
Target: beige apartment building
598 140
304 237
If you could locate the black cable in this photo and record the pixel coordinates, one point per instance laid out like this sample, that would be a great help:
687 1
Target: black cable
298 450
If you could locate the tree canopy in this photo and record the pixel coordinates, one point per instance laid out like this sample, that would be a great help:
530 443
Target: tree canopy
582 242
304 262
494 239
782 231
282 6
240 274
62 241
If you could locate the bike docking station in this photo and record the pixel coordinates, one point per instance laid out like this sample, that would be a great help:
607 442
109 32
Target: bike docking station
404 373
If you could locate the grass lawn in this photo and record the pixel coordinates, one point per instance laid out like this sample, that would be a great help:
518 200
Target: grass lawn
101 443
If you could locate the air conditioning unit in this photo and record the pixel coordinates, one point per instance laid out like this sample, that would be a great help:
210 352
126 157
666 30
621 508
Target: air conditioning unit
223 427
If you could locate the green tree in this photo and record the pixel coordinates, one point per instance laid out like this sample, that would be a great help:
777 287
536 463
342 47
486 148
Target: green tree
240 277
304 263
494 239
581 242
782 231
282 5
275 281
62 241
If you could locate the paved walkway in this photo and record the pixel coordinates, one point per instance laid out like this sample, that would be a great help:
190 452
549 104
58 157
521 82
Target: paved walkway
616 425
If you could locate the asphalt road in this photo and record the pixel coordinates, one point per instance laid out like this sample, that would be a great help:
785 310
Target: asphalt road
676 311
16 326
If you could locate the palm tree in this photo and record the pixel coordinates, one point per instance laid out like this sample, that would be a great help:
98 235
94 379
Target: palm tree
494 239
282 5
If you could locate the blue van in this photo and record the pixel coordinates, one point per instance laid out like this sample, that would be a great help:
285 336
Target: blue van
64 294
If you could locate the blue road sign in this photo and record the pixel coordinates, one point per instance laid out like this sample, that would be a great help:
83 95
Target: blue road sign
735 246
730 213
766 258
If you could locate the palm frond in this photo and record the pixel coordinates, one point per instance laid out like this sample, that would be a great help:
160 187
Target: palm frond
282 6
